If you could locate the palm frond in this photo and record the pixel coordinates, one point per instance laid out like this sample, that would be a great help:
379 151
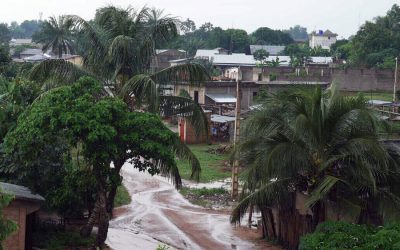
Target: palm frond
58 70
183 151
185 107
322 190
190 72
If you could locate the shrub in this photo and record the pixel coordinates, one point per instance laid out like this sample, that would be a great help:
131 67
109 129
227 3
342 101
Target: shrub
343 235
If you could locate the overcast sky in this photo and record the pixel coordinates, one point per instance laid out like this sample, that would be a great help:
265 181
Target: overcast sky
340 16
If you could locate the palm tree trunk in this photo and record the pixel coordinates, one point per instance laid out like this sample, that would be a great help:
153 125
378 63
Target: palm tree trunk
60 51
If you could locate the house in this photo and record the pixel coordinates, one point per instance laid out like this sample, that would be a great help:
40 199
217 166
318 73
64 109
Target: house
272 50
162 58
20 210
22 41
323 39
30 52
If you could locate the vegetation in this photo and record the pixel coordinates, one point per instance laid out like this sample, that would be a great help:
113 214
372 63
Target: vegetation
205 196
321 145
376 44
122 197
56 35
61 240
76 116
212 165
343 235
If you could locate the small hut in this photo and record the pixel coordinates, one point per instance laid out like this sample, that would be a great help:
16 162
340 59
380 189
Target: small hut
20 210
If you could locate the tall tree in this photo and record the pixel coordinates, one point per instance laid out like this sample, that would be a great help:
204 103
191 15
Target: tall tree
297 33
325 147
105 130
265 35
378 41
56 34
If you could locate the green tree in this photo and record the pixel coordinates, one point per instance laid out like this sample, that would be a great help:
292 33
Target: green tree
321 145
265 35
377 41
5 35
56 34
297 32
187 26
238 40
119 47
260 55
105 130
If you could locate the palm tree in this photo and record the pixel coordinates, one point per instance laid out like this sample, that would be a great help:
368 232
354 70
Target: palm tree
56 34
319 145
119 46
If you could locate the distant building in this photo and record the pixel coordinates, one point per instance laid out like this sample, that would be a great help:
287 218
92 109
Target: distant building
163 57
22 41
325 39
30 52
272 50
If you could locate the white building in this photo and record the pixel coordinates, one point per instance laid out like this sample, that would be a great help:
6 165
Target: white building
325 39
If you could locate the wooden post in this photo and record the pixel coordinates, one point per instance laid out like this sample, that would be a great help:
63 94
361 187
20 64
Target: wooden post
395 81
394 86
235 167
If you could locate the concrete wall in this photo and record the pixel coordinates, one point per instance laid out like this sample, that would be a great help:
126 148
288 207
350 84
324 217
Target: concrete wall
353 79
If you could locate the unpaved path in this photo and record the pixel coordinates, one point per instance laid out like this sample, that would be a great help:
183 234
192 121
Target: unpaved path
159 215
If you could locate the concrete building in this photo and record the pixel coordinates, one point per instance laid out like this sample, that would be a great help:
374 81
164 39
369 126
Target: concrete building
323 39
20 211
163 57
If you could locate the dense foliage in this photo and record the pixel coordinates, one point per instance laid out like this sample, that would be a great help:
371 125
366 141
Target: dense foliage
343 235
377 43
236 40
323 146
103 130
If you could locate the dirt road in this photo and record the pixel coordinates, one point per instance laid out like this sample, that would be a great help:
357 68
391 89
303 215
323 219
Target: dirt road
159 215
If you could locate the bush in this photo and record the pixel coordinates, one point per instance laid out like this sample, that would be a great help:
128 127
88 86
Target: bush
343 235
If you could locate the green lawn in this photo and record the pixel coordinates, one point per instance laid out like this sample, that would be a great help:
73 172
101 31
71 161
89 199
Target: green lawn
381 95
212 165
122 197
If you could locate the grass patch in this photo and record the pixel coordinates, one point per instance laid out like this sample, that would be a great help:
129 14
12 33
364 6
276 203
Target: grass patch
205 197
372 95
61 240
212 165
122 197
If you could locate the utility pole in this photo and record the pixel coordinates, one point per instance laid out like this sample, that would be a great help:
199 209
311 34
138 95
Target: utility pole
395 81
235 167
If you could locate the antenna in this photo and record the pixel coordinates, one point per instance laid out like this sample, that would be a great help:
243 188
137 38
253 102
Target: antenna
40 16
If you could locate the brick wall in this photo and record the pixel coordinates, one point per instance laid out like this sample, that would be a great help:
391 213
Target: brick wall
16 212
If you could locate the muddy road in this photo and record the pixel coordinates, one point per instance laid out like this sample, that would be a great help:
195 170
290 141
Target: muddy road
159 215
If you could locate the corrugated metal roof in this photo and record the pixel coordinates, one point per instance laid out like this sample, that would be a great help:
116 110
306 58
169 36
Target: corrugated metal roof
31 52
379 102
273 50
222 98
240 59
222 118
20 192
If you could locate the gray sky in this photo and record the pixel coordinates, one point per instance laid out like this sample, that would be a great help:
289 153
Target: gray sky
340 16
